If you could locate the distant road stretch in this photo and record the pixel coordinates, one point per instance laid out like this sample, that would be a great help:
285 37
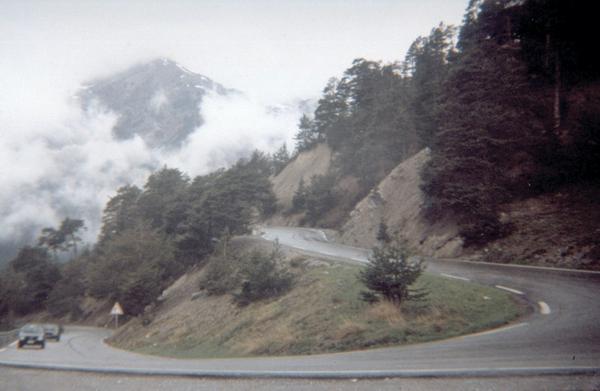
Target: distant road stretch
562 336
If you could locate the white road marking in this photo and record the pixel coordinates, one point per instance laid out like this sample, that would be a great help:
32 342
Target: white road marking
544 308
509 289
13 344
2 350
455 277
323 235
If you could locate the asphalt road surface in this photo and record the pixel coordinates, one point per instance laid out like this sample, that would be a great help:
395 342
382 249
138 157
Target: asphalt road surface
560 337
12 379
562 332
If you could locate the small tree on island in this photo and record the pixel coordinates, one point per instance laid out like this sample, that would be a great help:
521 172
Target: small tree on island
382 232
390 273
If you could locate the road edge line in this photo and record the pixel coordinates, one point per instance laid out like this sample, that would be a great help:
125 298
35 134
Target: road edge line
518 266
511 290
454 277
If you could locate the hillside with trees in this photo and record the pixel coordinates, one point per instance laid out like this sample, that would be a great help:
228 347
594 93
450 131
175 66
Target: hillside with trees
508 104
503 113
149 237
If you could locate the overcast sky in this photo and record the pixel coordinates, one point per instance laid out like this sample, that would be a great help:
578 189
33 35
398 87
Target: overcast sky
56 160
274 49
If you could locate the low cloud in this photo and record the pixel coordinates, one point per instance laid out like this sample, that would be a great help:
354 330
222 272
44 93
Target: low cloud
66 163
234 126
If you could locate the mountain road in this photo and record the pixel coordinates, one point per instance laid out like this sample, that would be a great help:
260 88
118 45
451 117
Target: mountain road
560 336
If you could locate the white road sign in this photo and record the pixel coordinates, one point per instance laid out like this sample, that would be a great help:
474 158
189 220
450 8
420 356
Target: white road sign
117 309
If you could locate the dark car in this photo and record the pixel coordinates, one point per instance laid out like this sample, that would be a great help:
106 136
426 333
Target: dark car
52 331
32 334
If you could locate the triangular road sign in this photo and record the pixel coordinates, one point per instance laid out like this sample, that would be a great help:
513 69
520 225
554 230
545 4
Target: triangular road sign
117 309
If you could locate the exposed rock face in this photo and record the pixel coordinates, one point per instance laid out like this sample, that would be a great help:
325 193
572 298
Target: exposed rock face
398 201
313 162
159 101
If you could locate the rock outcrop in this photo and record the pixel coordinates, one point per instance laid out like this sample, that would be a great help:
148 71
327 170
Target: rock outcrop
398 202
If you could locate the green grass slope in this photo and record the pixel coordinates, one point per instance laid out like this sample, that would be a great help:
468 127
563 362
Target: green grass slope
322 313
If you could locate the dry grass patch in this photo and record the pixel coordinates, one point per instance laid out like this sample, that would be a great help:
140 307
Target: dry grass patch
349 328
388 312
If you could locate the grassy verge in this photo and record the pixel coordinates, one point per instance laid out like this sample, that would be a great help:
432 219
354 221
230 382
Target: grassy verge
323 313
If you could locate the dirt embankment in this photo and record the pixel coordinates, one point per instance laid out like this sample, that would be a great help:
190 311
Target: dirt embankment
313 162
307 164
559 229
398 202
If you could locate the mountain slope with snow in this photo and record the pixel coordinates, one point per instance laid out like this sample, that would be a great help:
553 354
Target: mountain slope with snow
159 101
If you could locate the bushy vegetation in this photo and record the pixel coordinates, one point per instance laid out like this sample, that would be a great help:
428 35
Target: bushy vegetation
262 277
248 276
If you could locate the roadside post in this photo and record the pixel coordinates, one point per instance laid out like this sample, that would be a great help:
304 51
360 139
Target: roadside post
116 311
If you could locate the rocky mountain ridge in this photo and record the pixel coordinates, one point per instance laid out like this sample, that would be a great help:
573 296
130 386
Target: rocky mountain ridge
158 100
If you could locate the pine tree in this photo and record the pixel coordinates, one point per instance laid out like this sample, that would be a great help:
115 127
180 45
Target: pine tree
69 229
486 110
120 212
307 136
280 159
320 197
382 232
390 274
53 240
330 113
162 189
299 199
428 61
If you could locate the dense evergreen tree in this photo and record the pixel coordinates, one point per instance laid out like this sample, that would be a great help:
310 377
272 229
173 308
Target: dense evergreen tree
36 274
555 37
66 295
307 136
330 113
162 189
390 274
53 239
365 117
320 197
69 229
428 59
382 233
280 159
262 276
487 110
299 199
120 212
133 268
